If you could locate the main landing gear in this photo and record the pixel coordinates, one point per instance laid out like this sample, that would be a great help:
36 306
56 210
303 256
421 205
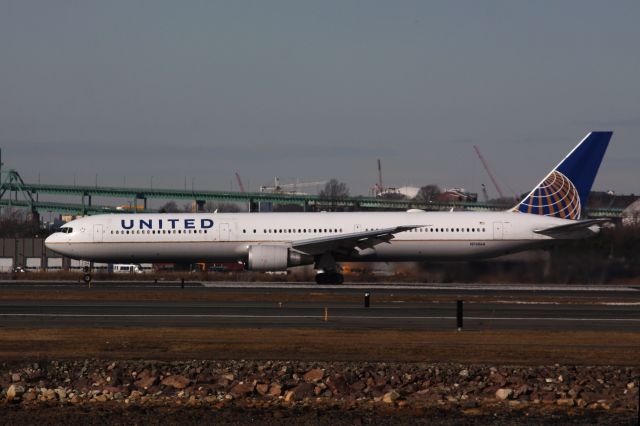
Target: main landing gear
329 275
329 278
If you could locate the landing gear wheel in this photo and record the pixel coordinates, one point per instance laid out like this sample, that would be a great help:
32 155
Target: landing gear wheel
86 278
329 278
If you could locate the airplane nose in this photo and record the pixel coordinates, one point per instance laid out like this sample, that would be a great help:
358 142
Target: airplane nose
50 243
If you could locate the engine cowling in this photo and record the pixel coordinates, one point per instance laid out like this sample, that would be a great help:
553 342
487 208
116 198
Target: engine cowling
265 257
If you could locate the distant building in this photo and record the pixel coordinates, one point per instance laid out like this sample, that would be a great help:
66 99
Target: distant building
631 215
456 194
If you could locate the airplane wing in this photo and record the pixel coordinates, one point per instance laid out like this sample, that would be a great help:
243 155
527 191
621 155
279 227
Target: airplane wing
572 229
349 242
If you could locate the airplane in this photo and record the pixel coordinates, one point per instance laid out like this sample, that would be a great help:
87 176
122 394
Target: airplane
277 241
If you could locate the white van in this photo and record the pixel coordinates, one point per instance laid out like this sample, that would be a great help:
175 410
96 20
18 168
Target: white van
128 269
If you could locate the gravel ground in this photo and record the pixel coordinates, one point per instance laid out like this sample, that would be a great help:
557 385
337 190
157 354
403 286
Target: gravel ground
294 392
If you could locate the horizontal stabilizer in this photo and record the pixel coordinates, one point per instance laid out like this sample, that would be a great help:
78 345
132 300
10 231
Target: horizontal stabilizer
572 230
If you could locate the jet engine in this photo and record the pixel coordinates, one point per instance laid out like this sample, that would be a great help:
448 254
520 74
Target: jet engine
266 257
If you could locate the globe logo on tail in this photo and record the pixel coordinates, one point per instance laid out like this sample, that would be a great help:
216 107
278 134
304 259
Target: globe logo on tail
556 196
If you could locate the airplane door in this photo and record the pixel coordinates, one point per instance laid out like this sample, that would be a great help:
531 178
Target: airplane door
224 231
498 230
97 233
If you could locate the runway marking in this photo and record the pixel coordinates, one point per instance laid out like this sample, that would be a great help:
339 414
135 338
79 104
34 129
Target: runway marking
417 286
349 286
312 317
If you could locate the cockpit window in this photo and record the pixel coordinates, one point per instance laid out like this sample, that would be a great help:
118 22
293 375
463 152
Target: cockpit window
66 230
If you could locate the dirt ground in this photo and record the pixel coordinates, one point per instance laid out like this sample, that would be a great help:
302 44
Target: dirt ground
500 347
182 416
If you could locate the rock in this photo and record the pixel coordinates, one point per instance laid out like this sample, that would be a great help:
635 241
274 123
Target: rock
390 397
262 388
29 396
177 382
303 390
135 394
100 398
275 389
49 394
242 389
14 392
288 397
146 382
503 394
15 377
338 385
631 385
565 402
62 394
314 375
464 373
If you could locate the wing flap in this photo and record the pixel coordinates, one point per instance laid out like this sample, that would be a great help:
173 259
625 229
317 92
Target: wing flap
349 242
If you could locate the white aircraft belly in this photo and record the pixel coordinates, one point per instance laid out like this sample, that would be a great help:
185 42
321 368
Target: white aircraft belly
160 252
444 250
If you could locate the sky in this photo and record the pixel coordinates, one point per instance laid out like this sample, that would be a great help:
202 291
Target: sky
175 94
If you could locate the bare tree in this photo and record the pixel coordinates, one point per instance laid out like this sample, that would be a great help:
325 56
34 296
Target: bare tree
170 207
427 193
334 190
19 224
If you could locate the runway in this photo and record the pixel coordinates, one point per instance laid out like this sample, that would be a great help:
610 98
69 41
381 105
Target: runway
436 289
427 316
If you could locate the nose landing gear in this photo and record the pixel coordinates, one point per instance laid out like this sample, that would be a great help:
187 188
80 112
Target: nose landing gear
86 277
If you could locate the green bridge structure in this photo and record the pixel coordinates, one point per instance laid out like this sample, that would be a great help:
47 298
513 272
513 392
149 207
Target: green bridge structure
16 193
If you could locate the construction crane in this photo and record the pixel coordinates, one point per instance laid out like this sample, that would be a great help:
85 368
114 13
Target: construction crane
486 167
484 193
378 188
240 183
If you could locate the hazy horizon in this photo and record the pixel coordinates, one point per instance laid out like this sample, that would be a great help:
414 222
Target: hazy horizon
134 91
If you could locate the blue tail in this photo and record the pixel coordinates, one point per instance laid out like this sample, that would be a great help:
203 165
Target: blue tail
563 192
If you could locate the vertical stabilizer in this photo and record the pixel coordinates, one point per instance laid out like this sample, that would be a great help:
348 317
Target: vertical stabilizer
563 192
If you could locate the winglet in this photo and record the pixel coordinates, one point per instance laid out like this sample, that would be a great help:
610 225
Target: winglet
564 191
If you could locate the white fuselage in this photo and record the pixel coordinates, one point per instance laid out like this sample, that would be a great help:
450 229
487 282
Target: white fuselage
208 237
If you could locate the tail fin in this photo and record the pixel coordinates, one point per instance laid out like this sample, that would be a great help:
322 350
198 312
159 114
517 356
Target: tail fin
564 191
